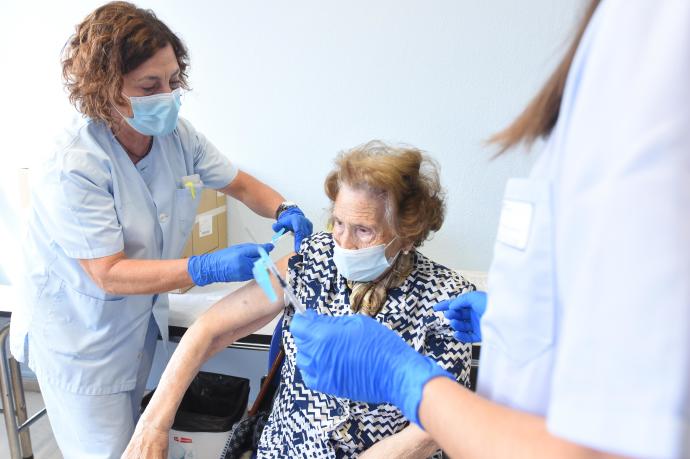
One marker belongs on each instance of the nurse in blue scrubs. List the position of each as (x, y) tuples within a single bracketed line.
[(112, 210), (586, 335)]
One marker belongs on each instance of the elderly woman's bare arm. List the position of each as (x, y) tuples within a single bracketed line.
[(410, 443), (235, 316)]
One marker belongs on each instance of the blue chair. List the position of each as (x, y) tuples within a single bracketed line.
[(276, 341)]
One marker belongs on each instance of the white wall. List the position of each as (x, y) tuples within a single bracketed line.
[(281, 87)]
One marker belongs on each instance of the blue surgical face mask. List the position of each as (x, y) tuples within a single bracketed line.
[(362, 265), (155, 115)]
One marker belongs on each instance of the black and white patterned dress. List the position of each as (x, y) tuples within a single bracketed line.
[(310, 424)]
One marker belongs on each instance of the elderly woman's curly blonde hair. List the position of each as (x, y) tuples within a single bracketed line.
[(405, 177), (109, 43)]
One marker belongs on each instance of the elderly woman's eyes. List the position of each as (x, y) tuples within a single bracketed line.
[(365, 234)]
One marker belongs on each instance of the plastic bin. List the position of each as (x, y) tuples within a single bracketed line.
[(211, 405)]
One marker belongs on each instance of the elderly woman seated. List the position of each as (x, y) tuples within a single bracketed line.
[(385, 203)]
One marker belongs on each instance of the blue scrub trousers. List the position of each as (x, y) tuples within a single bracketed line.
[(98, 426)]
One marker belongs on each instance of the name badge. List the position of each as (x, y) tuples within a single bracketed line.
[(515, 223)]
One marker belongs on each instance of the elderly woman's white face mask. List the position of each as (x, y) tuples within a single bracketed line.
[(362, 265), (362, 237)]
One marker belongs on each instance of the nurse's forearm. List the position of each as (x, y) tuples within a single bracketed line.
[(259, 197), (468, 426), (119, 275)]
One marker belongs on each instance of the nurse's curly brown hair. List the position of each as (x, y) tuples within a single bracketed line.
[(110, 42), (404, 177)]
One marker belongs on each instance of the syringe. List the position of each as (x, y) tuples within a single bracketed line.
[(264, 263)]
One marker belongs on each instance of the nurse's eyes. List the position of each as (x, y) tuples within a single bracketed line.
[(155, 89)]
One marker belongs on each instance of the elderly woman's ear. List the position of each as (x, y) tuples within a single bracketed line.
[(407, 247)]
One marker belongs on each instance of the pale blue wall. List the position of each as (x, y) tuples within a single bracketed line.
[(282, 86)]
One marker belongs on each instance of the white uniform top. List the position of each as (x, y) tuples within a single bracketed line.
[(91, 201), (588, 322)]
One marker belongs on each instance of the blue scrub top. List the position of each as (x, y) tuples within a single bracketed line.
[(90, 201), (588, 321)]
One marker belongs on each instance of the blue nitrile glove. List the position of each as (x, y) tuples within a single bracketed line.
[(227, 265), (293, 219), (465, 313), (358, 358)]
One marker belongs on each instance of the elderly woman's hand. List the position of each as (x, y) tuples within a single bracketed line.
[(148, 442)]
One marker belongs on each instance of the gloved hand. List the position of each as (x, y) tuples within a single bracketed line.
[(227, 265), (293, 219), (358, 358), (465, 313)]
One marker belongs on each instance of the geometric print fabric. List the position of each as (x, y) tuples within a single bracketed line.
[(310, 424)]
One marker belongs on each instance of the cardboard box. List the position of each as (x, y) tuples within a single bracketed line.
[(210, 231)]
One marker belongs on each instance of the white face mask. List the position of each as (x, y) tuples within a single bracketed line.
[(362, 265)]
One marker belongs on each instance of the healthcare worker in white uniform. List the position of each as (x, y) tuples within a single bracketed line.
[(586, 335), (112, 210)]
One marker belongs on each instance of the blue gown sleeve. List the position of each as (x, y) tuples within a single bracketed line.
[(78, 206)]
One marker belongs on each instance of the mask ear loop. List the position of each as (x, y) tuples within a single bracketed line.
[(391, 262), (119, 112)]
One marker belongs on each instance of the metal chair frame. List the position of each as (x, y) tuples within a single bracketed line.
[(14, 403)]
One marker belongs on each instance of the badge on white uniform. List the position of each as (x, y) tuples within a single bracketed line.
[(515, 223)]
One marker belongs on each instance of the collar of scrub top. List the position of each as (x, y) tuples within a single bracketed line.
[(261, 270)]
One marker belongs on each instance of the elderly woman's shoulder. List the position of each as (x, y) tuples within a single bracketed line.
[(428, 270), (315, 252), (317, 245)]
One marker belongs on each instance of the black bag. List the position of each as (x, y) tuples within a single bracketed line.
[(212, 403), (245, 435)]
